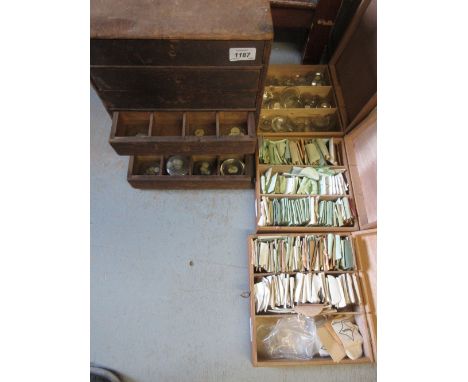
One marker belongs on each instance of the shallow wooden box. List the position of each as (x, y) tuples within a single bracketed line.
[(173, 132), (162, 55), (365, 315), (162, 180)]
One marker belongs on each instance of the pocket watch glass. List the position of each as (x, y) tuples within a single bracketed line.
[(326, 122), (232, 167), (317, 79), (273, 103), (280, 124), (152, 169), (177, 165), (324, 103), (302, 124), (265, 123), (290, 98), (310, 100), (202, 168), (236, 131)]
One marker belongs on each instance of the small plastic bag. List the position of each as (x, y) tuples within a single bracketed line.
[(292, 338)]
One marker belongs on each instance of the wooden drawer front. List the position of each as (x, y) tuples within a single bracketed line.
[(167, 80), (171, 52), (137, 178), (178, 100), (145, 133)]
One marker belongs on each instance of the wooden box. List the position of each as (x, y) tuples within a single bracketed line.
[(364, 314), (137, 178), (195, 55), (351, 91)]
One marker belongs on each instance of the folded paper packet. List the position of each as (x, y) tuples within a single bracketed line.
[(313, 153), (330, 341), (322, 144), (349, 335)]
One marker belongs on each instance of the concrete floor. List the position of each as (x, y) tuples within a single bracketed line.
[(153, 316)]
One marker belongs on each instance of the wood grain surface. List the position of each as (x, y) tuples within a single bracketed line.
[(189, 19)]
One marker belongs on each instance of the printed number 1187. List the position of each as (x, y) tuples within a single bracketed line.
[(242, 54)]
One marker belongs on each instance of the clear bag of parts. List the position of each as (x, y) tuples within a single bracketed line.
[(292, 338)]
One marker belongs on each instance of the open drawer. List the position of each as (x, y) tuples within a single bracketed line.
[(177, 132), (227, 171), (334, 97), (362, 311), (332, 191)]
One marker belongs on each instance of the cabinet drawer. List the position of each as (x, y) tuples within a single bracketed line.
[(178, 100), (109, 52), (138, 177), (166, 80), (140, 133)]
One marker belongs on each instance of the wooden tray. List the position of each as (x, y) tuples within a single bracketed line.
[(162, 180), (364, 251), (172, 132)]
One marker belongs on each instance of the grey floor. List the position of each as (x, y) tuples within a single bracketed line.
[(153, 316)]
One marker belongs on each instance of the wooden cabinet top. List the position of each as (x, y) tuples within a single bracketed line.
[(188, 19)]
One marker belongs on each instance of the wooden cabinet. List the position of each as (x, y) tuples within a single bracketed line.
[(206, 54), (181, 79), (349, 125)]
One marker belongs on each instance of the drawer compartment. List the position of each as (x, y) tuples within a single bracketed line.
[(169, 133), (325, 204), (120, 52), (281, 251), (203, 172)]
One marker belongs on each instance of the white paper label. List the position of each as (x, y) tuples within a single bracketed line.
[(242, 54)]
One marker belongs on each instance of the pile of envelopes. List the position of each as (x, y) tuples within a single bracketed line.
[(326, 252)]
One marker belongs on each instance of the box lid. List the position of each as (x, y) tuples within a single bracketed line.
[(353, 67), (365, 246), (361, 153), (189, 19)]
